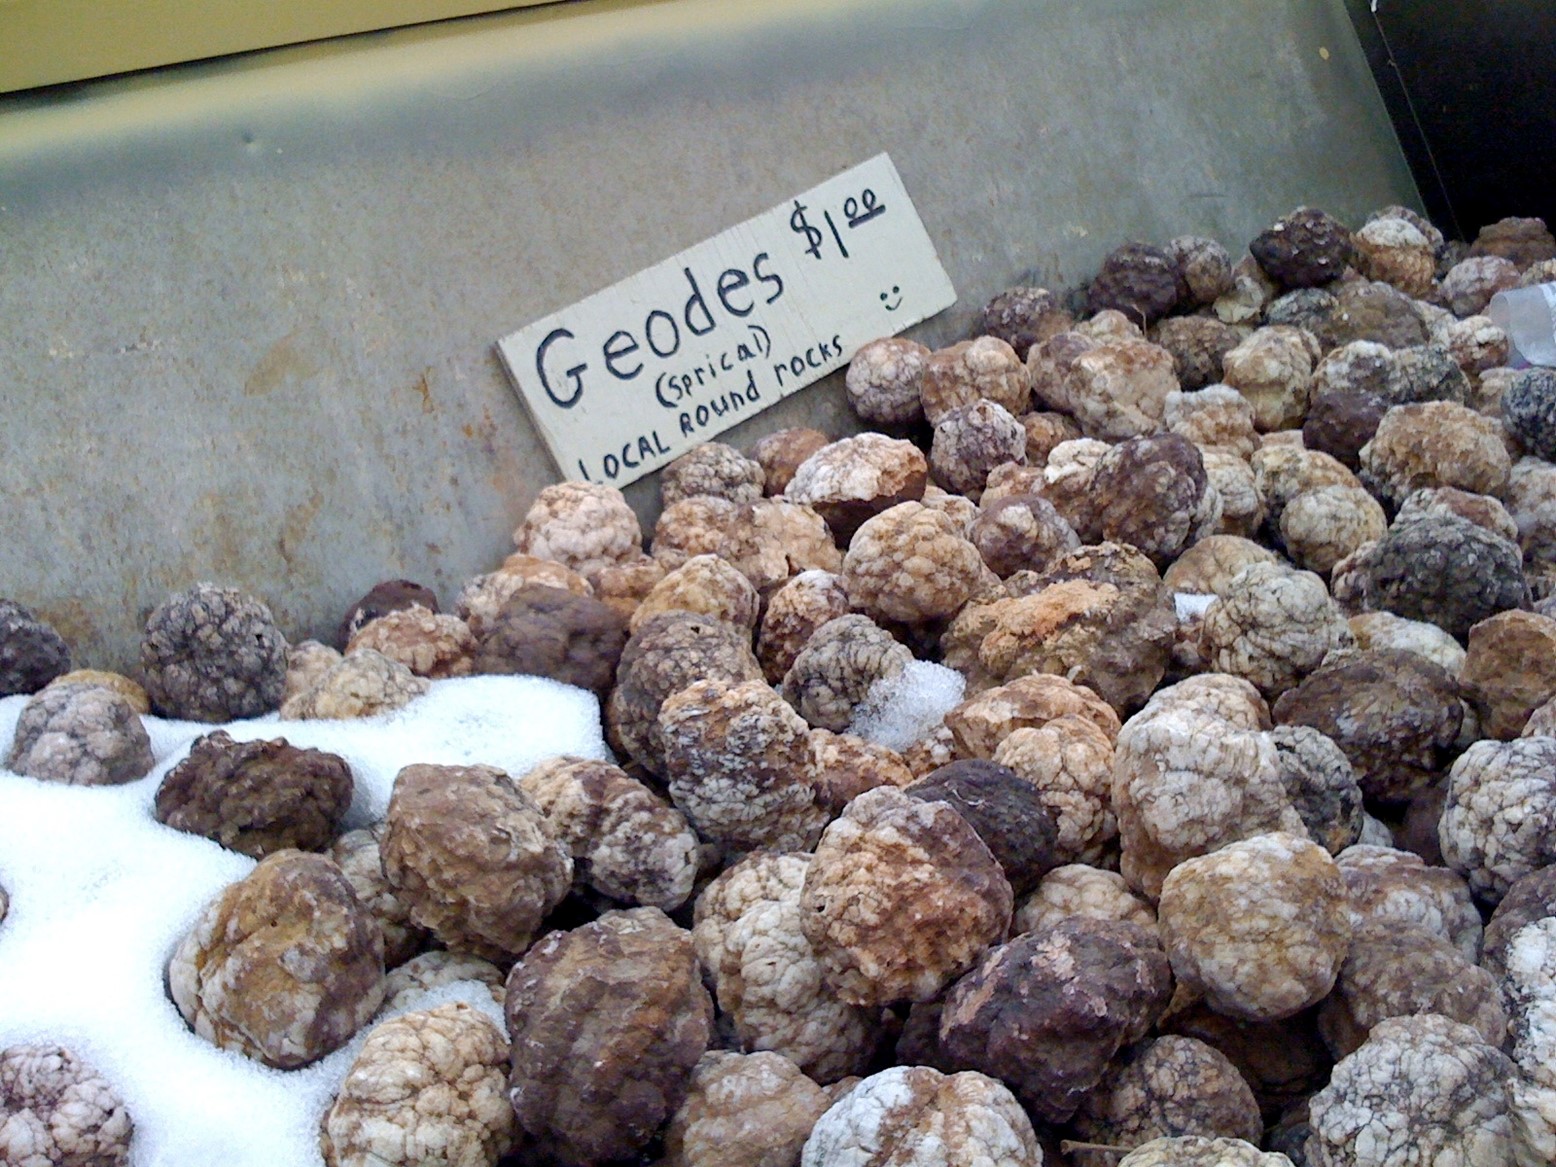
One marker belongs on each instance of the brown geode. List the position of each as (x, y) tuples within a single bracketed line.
[(256, 797), (607, 1023)]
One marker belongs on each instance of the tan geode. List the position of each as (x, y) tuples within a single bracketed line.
[(901, 897), (428, 643), (427, 1087), (56, 1110), (855, 478), (737, 760), (473, 858), (626, 841), (751, 941), (1259, 927), (910, 564), (1510, 670), (364, 684), (607, 1022), (283, 966), (915, 1116), (744, 1110)]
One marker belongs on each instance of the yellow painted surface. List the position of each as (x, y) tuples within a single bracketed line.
[(46, 42)]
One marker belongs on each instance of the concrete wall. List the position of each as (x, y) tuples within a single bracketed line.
[(247, 308)]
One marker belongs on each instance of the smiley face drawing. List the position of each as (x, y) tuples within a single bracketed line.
[(886, 297)]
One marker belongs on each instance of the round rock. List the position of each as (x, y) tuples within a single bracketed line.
[(284, 966), (80, 735), (1260, 927), (31, 653), (212, 654), (473, 858), (256, 797), (607, 1023)]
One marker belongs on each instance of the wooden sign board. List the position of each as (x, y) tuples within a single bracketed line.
[(629, 379)]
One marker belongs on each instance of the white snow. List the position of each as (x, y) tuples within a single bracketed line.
[(902, 709), (101, 893)]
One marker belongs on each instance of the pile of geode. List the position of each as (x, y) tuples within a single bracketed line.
[(1243, 835)]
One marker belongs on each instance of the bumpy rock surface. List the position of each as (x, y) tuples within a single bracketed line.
[(1529, 898), (794, 612), (129, 689), (744, 1110), (970, 441), (1260, 927), (1510, 670), (662, 657), (1394, 713), (1499, 820), (715, 469), (284, 966), (1188, 780), (583, 525), (473, 858), (1421, 1090), (737, 760), (781, 452), (1444, 569), (430, 644), (427, 1087), (1321, 785), (1078, 890), (1273, 369), (256, 797), (707, 585), (484, 595), (1199, 1151), (1068, 761), (982, 722), (769, 984), (1434, 443), (1399, 972), (57, 1111), (1165, 1087), (1008, 813), (883, 381), (1151, 493), (1271, 626), (910, 564), (364, 684), (891, 857), (1046, 1012), (1397, 888), (80, 735), (1304, 249), (1141, 281), (549, 632), (32, 653), (915, 1116), (984, 369), (212, 654), (360, 860), (392, 595), (626, 841), (1096, 616), (608, 1022), (855, 478), (1022, 317), (839, 663)]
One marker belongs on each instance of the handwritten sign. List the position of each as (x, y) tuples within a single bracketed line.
[(634, 376)]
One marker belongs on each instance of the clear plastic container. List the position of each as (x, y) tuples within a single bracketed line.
[(1528, 316)]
